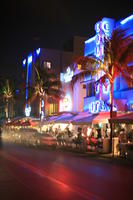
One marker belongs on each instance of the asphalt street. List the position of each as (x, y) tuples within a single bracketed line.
[(38, 174)]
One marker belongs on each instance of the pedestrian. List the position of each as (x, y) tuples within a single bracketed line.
[(122, 143)]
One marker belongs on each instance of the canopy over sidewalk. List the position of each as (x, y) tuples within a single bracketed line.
[(101, 117), (83, 119), (65, 118), (123, 119), (60, 118)]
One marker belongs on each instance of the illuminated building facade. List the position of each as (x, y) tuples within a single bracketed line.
[(58, 61), (97, 96), (72, 100), (66, 100)]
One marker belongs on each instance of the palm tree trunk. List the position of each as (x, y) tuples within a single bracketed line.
[(40, 110), (111, 114), (6, 109)]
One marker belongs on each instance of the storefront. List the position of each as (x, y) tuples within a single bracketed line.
[(123, 129)]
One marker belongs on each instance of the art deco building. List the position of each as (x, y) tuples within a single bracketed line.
[(57, 60), (94, 96)]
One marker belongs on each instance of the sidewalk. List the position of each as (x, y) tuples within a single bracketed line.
[(107, 157)]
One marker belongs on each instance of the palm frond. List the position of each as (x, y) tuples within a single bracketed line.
[(37, 73), (127, 54), (86, 62)]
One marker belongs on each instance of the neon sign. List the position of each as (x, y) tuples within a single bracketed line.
[(90, 40), (99, 40), (127, 19), (38, 51), (66, 103), (27, 111), (66, 77), (42, 108), (29, 59), (102, 28), (106, 87), (29, 62), (24, 62), (97, 106), (97, 88)]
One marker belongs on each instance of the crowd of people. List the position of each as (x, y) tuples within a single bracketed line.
[(84, 137)]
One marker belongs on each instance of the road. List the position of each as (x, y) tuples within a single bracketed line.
[(44, 174)]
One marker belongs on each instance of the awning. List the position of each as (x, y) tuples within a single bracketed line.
[(65, 118), (123, 119), (60, 118), (101, 117), (83, 118), (52, 119)]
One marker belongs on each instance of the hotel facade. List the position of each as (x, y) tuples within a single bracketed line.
[(84, 95), (56, 60), (91, 97)]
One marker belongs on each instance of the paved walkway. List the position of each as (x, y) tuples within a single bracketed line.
[(107, 157)]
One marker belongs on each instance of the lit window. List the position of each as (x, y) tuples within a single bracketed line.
[(79, 67), (47, 65)]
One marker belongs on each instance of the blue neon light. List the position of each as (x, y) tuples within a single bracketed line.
[(90, 40), (29, 59), (97, 88), (24, 62), (27, 111), (38, 51), (98, 106), (127, 19), (27, 79)]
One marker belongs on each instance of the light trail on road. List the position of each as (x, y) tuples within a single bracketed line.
[(60, 175), (43, 173)]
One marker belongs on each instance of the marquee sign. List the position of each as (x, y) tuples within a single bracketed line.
[(66, 77), (66, 103), (103, 28), (97, 106)]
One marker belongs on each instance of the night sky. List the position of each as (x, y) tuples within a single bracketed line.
[(28, 24)]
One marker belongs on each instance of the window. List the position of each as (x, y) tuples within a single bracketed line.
[(47, 65), (91, 89), (84, 86), (79, 67)]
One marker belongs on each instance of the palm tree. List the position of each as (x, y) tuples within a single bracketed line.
[(7, 93), (46, 87), (118, 52)]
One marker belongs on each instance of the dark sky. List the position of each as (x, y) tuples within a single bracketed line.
[(28, 24)]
